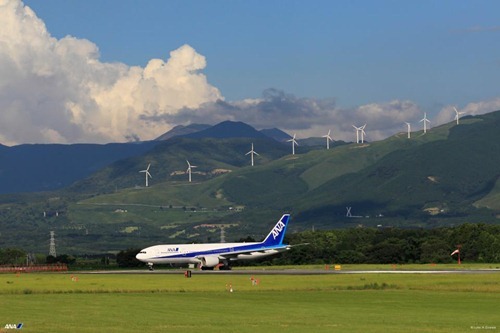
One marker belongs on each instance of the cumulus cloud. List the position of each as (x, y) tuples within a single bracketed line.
[(57, 90)]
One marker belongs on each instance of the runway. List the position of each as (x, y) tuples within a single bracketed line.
[(293, 272)]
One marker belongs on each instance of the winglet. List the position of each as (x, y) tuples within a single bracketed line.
[(276, 235)]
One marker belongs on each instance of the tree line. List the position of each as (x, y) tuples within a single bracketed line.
[(477, 242)]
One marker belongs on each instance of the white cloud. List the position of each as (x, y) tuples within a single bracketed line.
[(59, 91), (447, 113), (477, 108), (381, 119)]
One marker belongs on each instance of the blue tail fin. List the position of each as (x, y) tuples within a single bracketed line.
[(275, 237)]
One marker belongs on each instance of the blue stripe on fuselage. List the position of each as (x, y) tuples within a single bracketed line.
[(224, 250)]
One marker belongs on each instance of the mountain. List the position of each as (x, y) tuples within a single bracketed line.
[(212, 157), (446, 177), (276, 134), (437, 177), (321, 142), (227, 129), (58, 166), (224, 129), (181, 130), (37, 167)]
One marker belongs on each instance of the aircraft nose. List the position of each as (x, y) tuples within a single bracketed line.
[(140, 255)]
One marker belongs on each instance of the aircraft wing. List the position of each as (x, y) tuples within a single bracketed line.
[(277, 249), (254, 251)]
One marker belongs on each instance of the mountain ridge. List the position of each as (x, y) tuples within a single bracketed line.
[(60, 165), (445, 177)]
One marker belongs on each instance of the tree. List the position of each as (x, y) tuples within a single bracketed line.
[(12, 256), (62, 259), (435, 250), (126, 258), (388, 251)]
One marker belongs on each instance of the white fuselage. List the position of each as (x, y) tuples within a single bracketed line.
[(211, 254), (191, 253)]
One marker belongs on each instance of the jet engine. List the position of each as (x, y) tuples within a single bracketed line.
[(210, 261)]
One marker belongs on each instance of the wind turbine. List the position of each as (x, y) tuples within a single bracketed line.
[(189, 169), (294, 142), (363, 133), (361, 130), (252, 152), (425, 120), (328, 139), (457, 114), (409, 129), (147, 174), (357, 133), (348, 214)]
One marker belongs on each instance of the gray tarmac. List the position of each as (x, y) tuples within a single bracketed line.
[(293, 272)]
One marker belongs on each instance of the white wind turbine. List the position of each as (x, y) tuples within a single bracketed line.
[(189, 169), (147, 174), (357, 133), (348, 214), (457, 114), (425, 120), (409, 129), (328, 139), (363, 133), (252, 152), (359, 130), (294, 142)]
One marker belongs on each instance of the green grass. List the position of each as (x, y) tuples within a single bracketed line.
[(313, 303), (385, 267), (152, 215), (164, 194), (492, 200)]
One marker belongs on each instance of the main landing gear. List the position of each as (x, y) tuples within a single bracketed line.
[(206, 268), (220, 267), (224, 266)]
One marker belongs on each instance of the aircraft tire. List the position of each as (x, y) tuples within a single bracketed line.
[(205, 268)]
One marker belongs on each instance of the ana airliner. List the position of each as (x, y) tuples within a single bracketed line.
[(212, 254)]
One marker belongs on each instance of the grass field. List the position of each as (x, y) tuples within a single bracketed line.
[(302, 303)]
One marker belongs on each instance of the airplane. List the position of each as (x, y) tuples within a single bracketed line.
[(209, 255)]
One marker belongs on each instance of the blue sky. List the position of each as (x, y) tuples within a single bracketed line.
[(435, 54), (432, 52)]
